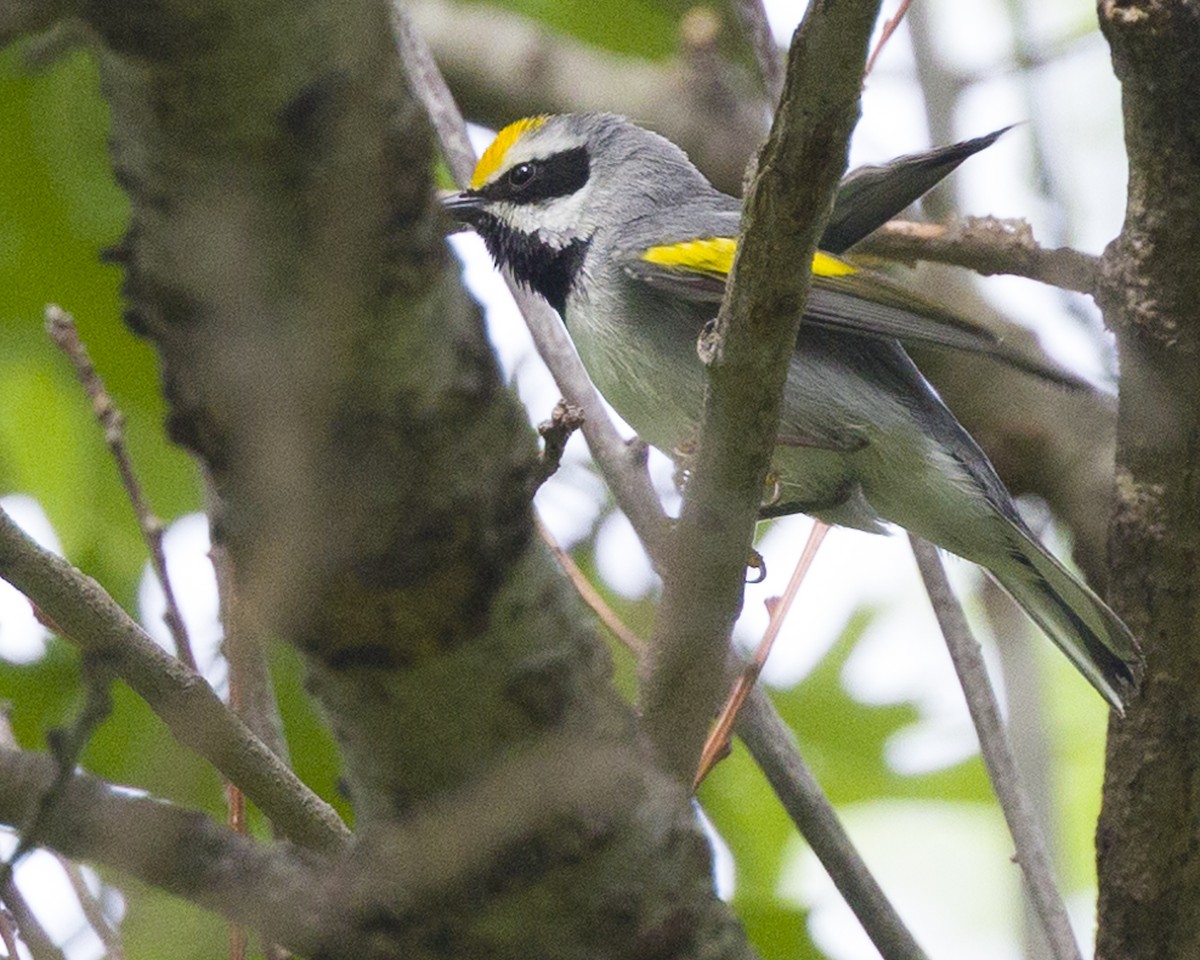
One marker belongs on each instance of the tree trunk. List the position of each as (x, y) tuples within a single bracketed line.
[(1148, 839)]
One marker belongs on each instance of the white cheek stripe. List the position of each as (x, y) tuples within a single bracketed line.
[(557, 221)]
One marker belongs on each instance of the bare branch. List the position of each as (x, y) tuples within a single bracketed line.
[(1032, 855), (889, 28), (31, 932), (555, 432), (184, 702), (767, 55), (632, 642), (717, 744), (777, 754), (67, 747), (92, 910), (60, 325), (755, 337), (8, 933), (621, 463), (988, 246), (177, 850)]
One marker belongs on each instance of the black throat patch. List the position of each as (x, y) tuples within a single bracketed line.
[(546, 270)]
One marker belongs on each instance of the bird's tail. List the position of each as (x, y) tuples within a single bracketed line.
[(1081, 625)]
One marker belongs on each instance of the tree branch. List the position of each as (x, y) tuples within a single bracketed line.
[(755, 336), (988, 246), (1149, 833), (180, 851), (622, 464), (771, 745), (60, 325), (775, 750), (182, 700), (1032, 855)]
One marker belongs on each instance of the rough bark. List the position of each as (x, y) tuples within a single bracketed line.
[(1148, 840)]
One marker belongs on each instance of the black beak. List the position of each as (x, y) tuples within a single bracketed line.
[(465, 207)]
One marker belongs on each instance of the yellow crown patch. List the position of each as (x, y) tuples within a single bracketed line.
[(494, 155)]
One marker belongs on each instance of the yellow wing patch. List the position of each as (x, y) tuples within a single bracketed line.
[(494, 155), (714, 256)]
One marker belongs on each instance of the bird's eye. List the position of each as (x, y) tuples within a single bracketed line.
[(520, 175)]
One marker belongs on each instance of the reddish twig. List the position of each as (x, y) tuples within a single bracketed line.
[(62, 330), (888, 29), (635, 644), (717, 744)]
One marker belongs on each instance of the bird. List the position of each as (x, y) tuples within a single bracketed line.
[(628, 241)]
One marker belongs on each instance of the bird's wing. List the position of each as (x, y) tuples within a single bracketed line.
[(843, 297), (870, 196)]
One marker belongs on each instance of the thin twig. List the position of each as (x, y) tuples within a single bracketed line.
[(889, 28), (8, 933), (18, 912), (30, 930), (93, 912), (768, 58), (717, 744), (251, 693), (62, 330), (590, 595), (185, 703), (1032, 855), (777, 754), (988, 246), (564, 420), (235, 802), (67, 746)]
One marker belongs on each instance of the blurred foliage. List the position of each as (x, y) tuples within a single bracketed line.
[(59, 207), (640, 28)]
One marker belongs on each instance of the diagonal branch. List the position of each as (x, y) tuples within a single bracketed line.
[(619, 461), (181, 851), (1032, 855), (60, 325), (182, 700), (775, 751), (782, 220)]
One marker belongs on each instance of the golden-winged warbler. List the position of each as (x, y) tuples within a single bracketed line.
[(628, 241)]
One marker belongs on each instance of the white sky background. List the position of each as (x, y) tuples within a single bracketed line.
[(900, 657)]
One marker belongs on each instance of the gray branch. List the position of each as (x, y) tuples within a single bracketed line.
[(182, 700), (756, 334), (1032, 855), (988, 246), (502, 65)]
